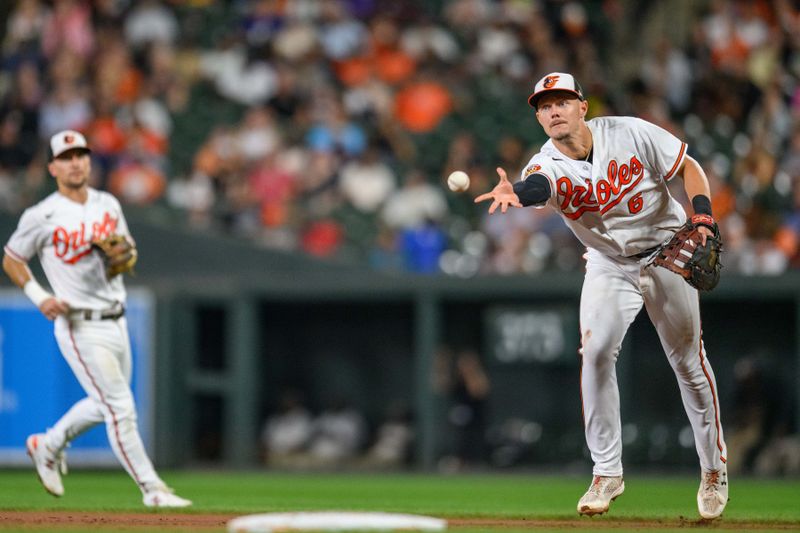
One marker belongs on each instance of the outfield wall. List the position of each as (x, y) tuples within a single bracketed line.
[(37, 386), (233, 347)]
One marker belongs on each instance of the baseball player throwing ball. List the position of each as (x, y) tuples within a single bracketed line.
[(69, 231), (607, 177)]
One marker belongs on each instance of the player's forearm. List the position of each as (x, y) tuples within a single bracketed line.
[(17, 271), (21, 275), (694, 179)]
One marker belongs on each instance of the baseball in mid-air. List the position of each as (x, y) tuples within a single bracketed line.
[(458, 181)]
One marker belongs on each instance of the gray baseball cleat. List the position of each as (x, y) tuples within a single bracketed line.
[(602, 491), (49, 466), (712, 496)]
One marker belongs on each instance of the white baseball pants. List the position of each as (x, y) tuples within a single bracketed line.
[(99, 354), (614, 290)]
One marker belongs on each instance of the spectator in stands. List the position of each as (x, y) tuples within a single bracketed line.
[(366, 182), (65, 108), (238, 73), (194, 195), (787, 238), (341, 35), (418, 201), (25, 97), (15, 152), (422, 246), (258, 136), (333, 131), (422, 104), (150, 21), (790, 163), (68, 29), (274, 186)]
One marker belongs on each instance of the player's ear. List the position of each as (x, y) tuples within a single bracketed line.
[(584, 107)]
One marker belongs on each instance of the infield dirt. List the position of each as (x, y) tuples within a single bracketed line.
[(76, 520)]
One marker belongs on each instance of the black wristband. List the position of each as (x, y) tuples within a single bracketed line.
[(701, 205)]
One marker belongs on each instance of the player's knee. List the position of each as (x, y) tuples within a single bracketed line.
[(599, 350), (687, 366), (128, 414), (121, 413), (686, 350), (128, 425), (690, 342)]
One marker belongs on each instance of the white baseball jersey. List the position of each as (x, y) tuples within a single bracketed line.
[(619, 203), (60, 231)]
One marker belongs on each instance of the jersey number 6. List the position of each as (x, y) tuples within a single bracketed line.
[(635, 204)]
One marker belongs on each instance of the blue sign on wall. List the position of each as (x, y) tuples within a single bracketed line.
[(37, 386)]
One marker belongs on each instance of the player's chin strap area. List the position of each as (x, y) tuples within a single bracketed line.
[(112, 313)]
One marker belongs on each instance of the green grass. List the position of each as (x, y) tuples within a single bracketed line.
[(767, 502)]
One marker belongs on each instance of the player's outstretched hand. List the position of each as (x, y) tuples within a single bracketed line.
[(52, 307), (502, 195)]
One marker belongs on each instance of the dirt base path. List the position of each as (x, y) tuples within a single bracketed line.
[(38, 520)]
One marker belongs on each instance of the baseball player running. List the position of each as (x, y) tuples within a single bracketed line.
[(89, 313), (607, 177)]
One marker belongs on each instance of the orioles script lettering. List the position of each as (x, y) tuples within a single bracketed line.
[(620, 180), (76, 244)]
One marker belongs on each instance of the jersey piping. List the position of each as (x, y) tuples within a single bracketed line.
[(677, 164), (15, 255)]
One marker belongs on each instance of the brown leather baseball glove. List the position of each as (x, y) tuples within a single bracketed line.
[(683, 254), (118, 254)]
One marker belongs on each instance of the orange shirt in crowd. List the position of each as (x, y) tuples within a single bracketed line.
[(421, 106)]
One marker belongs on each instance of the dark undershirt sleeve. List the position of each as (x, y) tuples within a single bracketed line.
[(534, 190)]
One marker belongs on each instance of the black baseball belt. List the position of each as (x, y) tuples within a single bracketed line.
[(112, 313)]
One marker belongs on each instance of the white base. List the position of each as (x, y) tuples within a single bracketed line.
[(333, 521)]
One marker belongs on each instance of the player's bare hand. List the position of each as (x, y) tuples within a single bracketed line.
[(52, 307), (502, 195)]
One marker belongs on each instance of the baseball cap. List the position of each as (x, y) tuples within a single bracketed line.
[(555, 81), (67, 140)]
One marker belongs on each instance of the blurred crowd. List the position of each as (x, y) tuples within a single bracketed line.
[(329, 126)]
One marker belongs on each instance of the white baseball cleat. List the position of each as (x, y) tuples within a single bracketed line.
[(602, 491), (713, 493), (164, 497), (49, 466)]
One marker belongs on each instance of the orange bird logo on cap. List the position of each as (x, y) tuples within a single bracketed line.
[(69, 139), (549, 81)]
